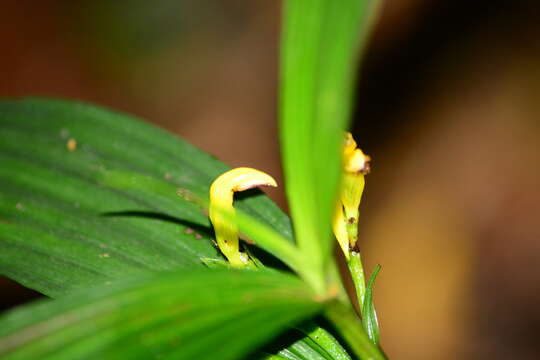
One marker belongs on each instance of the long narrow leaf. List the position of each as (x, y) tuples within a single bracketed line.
[(181, 315), (320, 45)]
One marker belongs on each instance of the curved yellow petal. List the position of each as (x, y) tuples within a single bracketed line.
[(221, 210)]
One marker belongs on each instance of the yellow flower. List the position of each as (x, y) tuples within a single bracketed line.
[(222, 213), (356, 164)]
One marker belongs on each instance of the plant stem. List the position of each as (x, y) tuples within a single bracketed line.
[(357, 273), (344, 318)]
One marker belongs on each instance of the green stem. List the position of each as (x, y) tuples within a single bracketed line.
[(358, 277), (348, 324)]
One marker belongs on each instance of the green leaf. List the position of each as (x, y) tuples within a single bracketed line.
[(72, 220), (180, 315), (326, 341), (304, 350), (369, 320), (320, 44), (314, 343), (65, 223)]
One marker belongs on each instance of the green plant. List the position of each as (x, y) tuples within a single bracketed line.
[(107, 215)]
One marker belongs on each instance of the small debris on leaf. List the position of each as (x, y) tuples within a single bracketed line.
[(71, 144), (64, 133)]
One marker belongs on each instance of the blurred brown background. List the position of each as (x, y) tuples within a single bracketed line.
[(448, 107)]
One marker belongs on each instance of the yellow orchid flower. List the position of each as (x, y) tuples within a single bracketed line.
[(355, 166), (222, 213)]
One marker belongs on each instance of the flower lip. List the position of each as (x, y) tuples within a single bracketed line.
[(358, 163), (367, 166)]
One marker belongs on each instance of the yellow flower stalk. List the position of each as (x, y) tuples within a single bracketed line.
[(222, 213), (355, 166)]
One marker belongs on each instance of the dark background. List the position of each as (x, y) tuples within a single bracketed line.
[(448, 105)]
